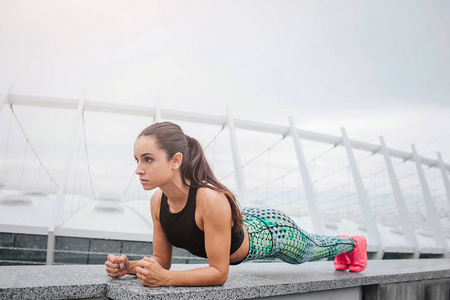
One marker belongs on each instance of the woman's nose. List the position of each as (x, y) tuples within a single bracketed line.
[(139, 170)]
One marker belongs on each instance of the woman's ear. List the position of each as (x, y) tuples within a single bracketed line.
[(177, 159)]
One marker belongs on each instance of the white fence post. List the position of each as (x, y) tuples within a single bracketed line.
[(60, 197), (433, 216), (239, 174), (402, 211), (314, 211), (444, 177), (371, 225), (5, 98)]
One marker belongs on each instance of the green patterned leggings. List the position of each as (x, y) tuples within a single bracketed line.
[(274, 234)]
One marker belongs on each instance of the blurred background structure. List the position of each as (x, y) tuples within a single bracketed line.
[(78, 204), (266, 86)]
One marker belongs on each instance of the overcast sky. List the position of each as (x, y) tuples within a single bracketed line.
[(375, 67)]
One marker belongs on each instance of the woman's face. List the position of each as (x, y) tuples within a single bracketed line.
[(153, 166)]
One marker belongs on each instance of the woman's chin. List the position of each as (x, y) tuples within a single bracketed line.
[(148, 187)]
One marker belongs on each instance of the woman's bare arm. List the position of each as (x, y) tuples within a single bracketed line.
[(117, 266), (214, 217), (162, 249)]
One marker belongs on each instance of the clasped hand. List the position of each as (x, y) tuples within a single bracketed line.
[(148, 270), (117, 266)]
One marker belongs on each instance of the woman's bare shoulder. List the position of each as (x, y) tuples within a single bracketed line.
[(155, 202), (209, 198), (208, 193), (157, 195)]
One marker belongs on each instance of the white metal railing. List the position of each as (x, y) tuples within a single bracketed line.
[(382, 186)]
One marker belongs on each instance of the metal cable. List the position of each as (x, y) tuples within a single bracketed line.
[(322, 154), (31, 146), (214, 138), (273, 180), (262, 153)]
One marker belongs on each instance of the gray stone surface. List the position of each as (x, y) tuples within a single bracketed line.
[(53, 282), (247, 280)]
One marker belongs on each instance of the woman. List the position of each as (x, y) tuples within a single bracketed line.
[(192, 210)]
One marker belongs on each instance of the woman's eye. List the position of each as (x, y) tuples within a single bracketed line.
[(147, 159)]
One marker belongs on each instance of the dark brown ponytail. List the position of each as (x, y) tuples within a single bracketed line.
[(194, 166)]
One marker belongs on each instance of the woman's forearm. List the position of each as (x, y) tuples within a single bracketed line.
[(133, 264), (166, 264), (207, 276)]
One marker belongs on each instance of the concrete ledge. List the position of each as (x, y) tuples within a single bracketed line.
[(53, 282), (413, 290), (245, 281)]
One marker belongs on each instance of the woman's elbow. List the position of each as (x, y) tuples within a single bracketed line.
[(222, 278), (219, 281), (164, 262)]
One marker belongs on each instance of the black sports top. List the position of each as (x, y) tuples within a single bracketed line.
[(182, 231)]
